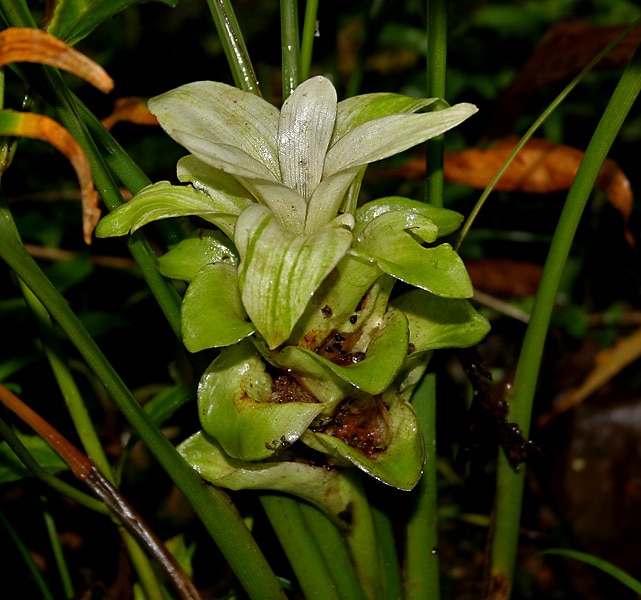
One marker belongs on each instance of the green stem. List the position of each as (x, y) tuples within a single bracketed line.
[(308, 37), (421, 562), (58, 554), (290, 49), (388, 555), (422, 576), (285, 515), (509, 483), (362, 540), (436, 72), (45, 593), (334, 551), (77, 409), (233, 44)]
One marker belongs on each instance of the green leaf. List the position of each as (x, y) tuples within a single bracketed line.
[(12, 468), (605, 566), (384, 358), (280, 271), (210, 112), (286, 203), (436, 322), (305, 128), (447, 221), (324, 488), (161, 201), (203, 247), (73, 20), (212, 313), (234, 406), (394, 241), (400, 465)]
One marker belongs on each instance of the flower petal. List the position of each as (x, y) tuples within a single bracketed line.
[(389, 135), (215, 183), (384, 359), (327, 489), (357, 110), (161, 201), (305, 128), (286, 203), (221, 114), (280, 271)]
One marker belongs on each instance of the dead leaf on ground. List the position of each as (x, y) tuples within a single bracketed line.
[(565, 50), (540, 167), (504, 277), (608, 363), (132, 110)]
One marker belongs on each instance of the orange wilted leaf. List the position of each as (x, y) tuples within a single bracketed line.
[(36, 126), (540, 167), (26, 44), (504, 277), (132, 110)]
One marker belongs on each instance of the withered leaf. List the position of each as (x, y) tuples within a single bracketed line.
[(504, 277), (540, 167), (607, 364), (132, 110)]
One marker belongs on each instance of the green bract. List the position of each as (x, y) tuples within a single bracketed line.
[(294, 282)]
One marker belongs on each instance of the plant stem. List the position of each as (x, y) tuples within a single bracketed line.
[(436, 72), (422, 576), (290, 49), (58, 554), (307, 40), (421, 554), (334, 551), (510, 484), (388, 555), (233, 44), (45, 593), (285, 515)]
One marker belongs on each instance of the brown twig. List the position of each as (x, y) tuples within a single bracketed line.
[(86, 471)]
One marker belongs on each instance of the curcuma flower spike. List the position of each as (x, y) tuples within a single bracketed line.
[(294, 281)]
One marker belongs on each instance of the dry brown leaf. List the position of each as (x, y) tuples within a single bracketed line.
[(540, 167), (132, 110), (36, 126), (504, 277), (608, 363), (26, 44), (565, 50)]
